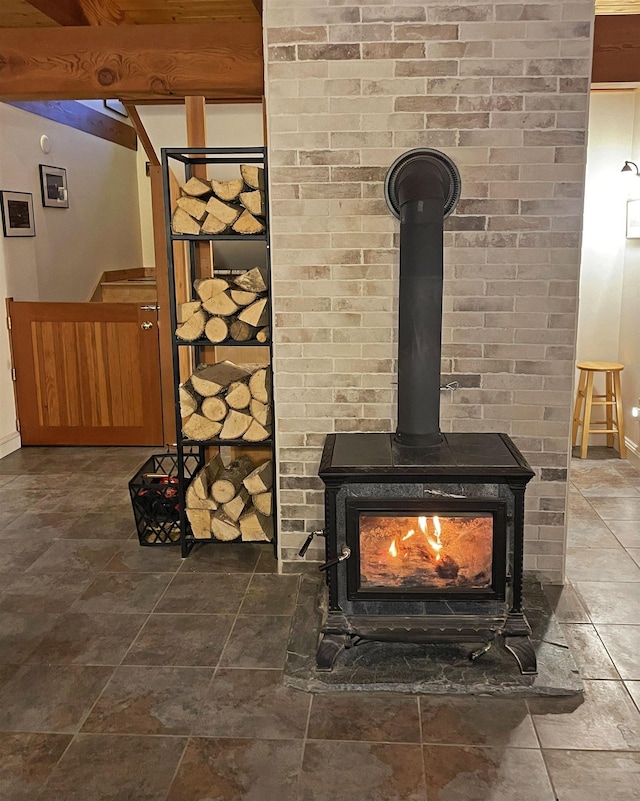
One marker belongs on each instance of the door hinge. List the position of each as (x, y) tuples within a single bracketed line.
[(17, 425), (13, 374), (9, 322)]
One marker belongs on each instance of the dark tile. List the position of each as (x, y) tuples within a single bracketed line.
[(257, 641), (627, 532), (37, 527), (122, 593), (6, 672), (267, 563), (16, 556), (566, 603), (65, 555), (376, 717), (43, 592), (477, 721), (253, 703), (27, 761), (50, 698), (208, 593), (605, 720), (238, 770), (623, 645), (96, 525), (133, 558), (617, 508), (480, 774), (150, 700), (20, 633), (594, 775), (104, 767), (609, 601), (374, 772), (189, 640), (607, 565), (48, 482), (590, 654), (27, 500), (87, 639), (234, 558), (270, 595)]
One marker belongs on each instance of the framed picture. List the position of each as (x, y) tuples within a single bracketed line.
[(53, 184), (116, 106), (17, 214), (633, 219)]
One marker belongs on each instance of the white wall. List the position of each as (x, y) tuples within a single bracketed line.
[(609, 312), (99, 231), (228, 125)]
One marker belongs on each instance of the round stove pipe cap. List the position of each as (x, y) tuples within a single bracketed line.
[(451, 178)]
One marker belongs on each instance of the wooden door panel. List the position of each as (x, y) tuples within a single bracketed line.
[(86, 374)]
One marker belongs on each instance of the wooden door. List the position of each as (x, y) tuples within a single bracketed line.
[(86, 373)]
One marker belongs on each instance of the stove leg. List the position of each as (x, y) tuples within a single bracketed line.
[(517, 640), (329, 648)]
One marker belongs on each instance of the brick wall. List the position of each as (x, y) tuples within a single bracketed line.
[(502, 88)]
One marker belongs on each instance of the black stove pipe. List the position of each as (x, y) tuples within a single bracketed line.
[(423, 189)]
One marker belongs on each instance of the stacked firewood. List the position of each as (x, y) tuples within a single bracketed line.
[(222, 207), (236, 309), (232, 501), (227, 401)]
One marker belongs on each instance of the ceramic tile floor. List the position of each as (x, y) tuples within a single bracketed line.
[(130, 675)]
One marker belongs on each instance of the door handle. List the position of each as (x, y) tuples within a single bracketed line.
[(146, 325), (150, 307)]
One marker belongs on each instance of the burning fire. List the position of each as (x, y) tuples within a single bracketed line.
[(433, 540)]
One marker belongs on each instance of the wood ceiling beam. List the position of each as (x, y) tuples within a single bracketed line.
[(616, 49), (148, 62), (64, 12), (257, 4)]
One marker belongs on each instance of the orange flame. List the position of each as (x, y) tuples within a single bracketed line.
[(393, 549), (409, 533)]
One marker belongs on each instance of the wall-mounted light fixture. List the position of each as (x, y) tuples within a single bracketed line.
[(628, 167)]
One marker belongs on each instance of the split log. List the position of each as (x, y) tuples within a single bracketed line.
[(193, 502), (263, 334), (229, 481), (223, 211), (241, 331), (227, 190), (221, 304), (216, 329), (243, 298), (213, 378), (212, 225), (260, 479), (193, 328), (188, 400), (200, 520), (237, 505), (259, 385), (253, 202), (256, 432), (214, 408), (256, 315), (203, 479), (187, 310), (263, 502), (254, 280), (223, 528), (247, 224), (238, 395), (183, 223), (196, 188), (252, 175), (260, 411), (256, 527), (197, 427), (235, 425), (207, 288), (196, 208)]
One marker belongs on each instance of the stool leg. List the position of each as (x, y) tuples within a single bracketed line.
[(586, 423), (578, 406), (622, 447), (609, 396)]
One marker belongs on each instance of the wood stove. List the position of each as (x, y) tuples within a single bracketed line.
[(424, 531)]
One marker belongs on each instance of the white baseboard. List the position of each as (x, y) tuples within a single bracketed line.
[(9, 444), (633, 452)]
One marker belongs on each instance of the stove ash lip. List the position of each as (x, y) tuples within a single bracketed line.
[(422, 187)]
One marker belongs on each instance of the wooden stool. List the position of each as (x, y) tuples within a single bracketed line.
[(610, 400)]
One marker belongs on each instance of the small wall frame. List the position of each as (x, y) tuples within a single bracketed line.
[(17, 214), (633, 219), (53, 185)]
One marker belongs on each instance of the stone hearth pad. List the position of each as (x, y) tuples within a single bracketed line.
[(430, 669)]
